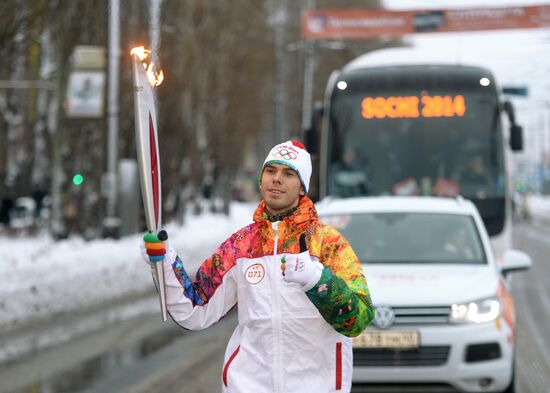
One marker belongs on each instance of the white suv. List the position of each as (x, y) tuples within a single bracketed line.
[(444, 314)]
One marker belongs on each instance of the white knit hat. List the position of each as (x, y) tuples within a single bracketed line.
[(294, 155)]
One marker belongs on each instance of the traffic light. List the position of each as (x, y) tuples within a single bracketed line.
[(78, 179)]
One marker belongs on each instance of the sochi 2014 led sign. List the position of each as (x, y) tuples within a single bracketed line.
[(413, 106)]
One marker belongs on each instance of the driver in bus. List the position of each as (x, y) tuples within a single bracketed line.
[(475, 176)]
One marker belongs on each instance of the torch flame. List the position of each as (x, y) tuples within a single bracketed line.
[(155, 77)]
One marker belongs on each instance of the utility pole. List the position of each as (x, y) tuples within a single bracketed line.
[(309, 70), (111, 221), (55, 123), (280, 20), (154, 28)]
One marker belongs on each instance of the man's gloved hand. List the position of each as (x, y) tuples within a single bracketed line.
[(300, 268), (155, 248)]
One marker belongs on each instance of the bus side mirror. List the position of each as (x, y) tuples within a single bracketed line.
[(516, 131), (509, 109), (516, 137)]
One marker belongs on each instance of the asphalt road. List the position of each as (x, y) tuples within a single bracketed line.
[(531, 292), (145, 355), (142, 355)]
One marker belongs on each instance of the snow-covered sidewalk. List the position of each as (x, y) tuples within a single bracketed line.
[(538, 210), (40, 278), (539, 205)]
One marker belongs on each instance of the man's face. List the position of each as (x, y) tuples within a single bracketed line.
[(280, 187)]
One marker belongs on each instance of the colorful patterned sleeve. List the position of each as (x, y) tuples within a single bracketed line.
[(342, 295), (200, 303), (209, 276)]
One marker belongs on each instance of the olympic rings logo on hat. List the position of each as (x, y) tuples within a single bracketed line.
[(285, 154)]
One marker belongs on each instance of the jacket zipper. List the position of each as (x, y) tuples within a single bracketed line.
[(277, 314)]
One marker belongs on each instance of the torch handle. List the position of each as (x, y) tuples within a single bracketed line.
[(162, 291), (163, 236)]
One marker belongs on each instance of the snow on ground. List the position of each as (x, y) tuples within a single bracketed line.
[(40, 278), (539, 208)]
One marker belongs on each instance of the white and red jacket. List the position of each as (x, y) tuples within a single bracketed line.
[(287, 340)]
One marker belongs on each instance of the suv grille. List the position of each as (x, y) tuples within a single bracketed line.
[(412, 387), (421, 315), (387, 357)]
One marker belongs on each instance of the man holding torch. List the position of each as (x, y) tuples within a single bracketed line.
[(298, 284)]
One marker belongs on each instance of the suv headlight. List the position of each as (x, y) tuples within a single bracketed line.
[(480, 311)]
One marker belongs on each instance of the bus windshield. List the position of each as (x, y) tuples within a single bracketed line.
[(414, 130)]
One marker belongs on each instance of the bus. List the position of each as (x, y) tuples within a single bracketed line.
[(418, 127)]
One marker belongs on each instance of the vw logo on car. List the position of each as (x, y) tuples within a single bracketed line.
[(384, 317)]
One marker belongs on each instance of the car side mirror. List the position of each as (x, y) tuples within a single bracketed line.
[(516, 137), (515, 260)]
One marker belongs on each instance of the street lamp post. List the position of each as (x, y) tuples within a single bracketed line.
[(111, 222)]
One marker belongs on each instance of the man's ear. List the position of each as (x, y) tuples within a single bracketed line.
[(302, 191)]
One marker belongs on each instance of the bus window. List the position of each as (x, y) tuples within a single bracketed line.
[(417, 130), (413, 135)]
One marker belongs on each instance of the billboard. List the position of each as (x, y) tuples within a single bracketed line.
[(355, 23)]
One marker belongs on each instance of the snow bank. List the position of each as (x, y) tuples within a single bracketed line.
[(539, 209), (40, 278)]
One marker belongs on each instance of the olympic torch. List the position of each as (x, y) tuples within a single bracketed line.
[(145, 78)]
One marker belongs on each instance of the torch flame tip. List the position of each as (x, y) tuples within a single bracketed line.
[(140, 52), (155, 77)]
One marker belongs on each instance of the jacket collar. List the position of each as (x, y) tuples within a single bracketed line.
[(303, 217)]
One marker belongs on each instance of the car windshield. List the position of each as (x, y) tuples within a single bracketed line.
[(411, 237)]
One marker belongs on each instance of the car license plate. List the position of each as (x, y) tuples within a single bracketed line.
[(393, 339)]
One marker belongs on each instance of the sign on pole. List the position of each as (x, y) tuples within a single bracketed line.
[(85, 94), (86, 87)]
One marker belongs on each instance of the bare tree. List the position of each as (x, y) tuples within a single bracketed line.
[(217, 107)]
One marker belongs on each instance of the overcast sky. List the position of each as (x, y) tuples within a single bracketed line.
[(520, 57)]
